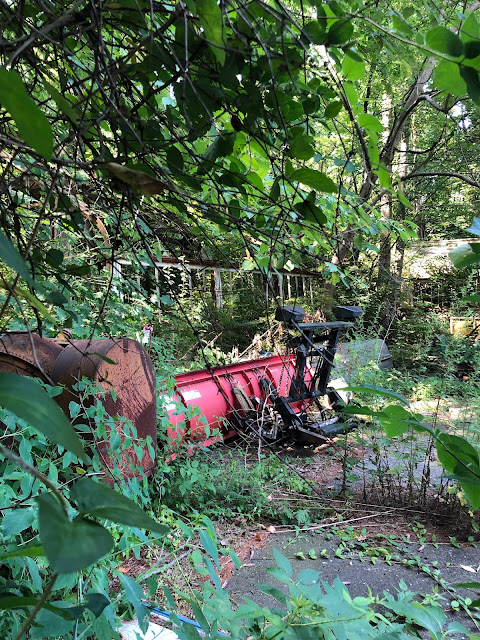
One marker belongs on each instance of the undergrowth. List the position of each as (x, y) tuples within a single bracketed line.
[(223, 485)]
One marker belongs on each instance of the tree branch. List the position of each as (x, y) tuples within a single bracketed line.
[(446, 174)]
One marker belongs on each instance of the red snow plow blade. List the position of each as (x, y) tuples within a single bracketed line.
[(229, 395)]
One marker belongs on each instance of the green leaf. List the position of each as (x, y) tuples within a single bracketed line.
[(384, 176), (31, 299), (314, 32), (360, 411), (222, 146), (451, 449), (29, 401), (447, 78), (466, 585), (94, 602), (470, 31), (275, 190), (444, 41), (309, 211), (473, 83), (404, 201), (472, 52), (99, 500), (51, 624), (19, 602), (395, 411), (474, 297), (209, 545), (279, 574), (32, 123), (301, 148), (333, 109), (134, 594), (235, 559), (465, 255), (400, 25), (17, 520), (69, 545), (275, 592), (282, 562), (308, 576), (370, 123), (62, 103), (340, 32), (24, 552), (352, 95), (174, 160), (314, 179), (372, 148), (395, 428), (377, 391), (11, 257), (352, 70), (210, 16)]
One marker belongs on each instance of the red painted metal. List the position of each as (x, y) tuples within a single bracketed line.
[(211, 391)]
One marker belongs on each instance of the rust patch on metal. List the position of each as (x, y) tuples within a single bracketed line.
[(28, 354), (122, 366)]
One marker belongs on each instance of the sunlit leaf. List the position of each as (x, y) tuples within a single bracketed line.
[(340, 32), (446, 76), (29, 401), (210, 16), (465, 255), (32, 124), (352, 69), (475, 227), (377, 391), (470, 30), (444, 41), (370, 123)]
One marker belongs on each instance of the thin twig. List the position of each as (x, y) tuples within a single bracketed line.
[(37, 608), (35, 472)]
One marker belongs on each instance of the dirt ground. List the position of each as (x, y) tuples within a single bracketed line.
[(373, 536)]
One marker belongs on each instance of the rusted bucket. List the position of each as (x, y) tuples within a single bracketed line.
[(124, 367)]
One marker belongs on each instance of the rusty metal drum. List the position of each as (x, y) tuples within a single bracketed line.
[(123, 366), (28, 354)]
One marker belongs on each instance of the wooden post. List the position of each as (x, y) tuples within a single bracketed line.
[(218, 288), (157, 289), (116, 275), (289, 287), (280, 287), (190, 281)]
